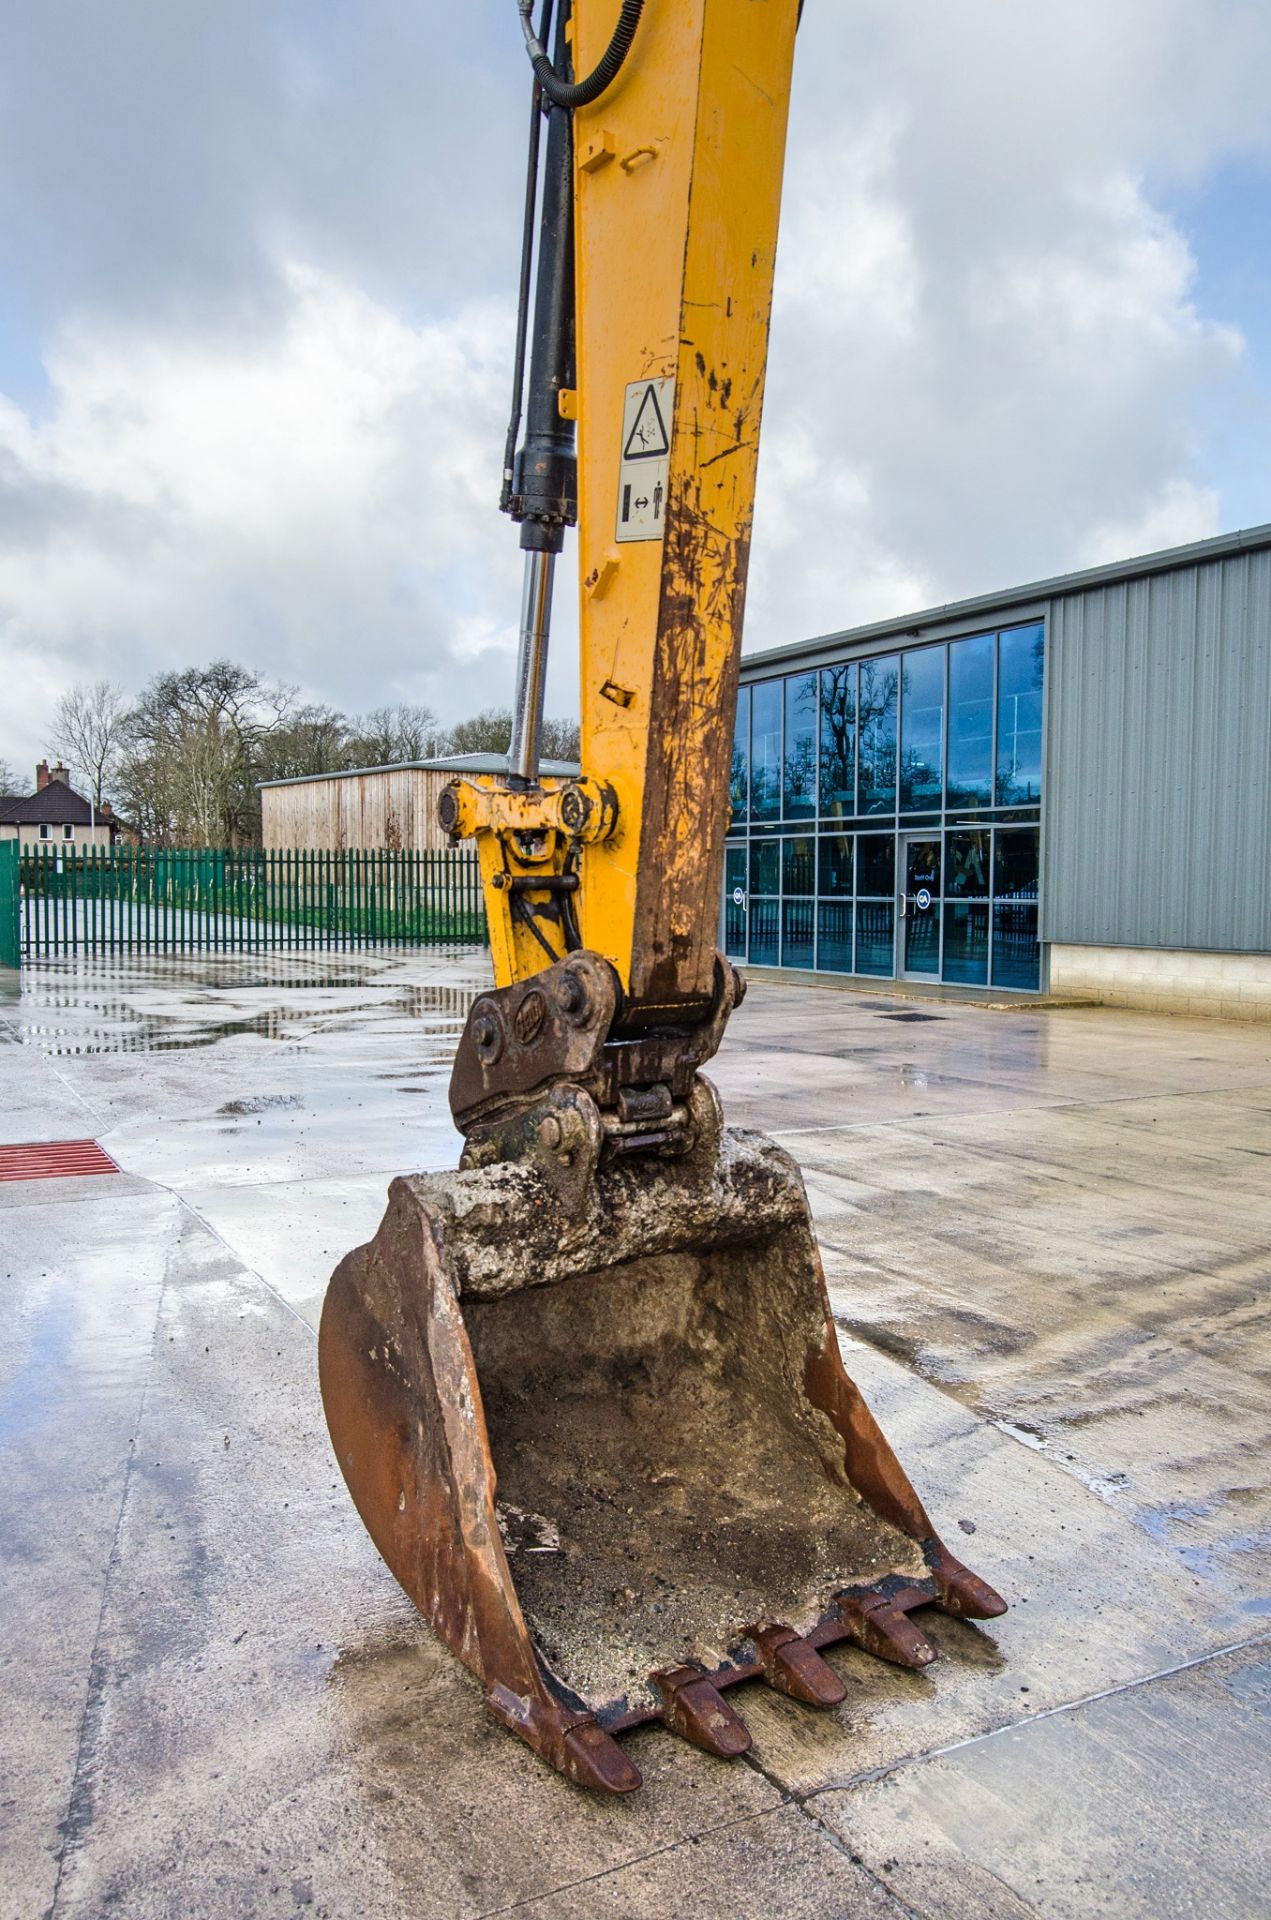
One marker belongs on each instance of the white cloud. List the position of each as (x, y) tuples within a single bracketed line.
[(987, 357), (320, 497), (1180, 512), (266, 285)]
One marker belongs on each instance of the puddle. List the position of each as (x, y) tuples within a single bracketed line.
[(261, 1103), (156, 1008)]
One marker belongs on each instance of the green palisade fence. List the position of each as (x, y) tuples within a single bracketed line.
[(10, 904), (162, 900)]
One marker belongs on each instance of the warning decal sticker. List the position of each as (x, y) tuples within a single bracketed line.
[(646, 457)]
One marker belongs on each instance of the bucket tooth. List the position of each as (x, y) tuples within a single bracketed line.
[(698, 1712), (963, 1593), (592, 1758), (793, 1666), (885, 1630)]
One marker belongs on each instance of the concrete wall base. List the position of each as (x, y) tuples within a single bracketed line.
[(1223, 986)]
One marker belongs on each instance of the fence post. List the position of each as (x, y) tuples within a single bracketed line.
[(10, 907)]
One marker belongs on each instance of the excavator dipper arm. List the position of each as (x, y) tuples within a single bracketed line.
[(586, 1392)]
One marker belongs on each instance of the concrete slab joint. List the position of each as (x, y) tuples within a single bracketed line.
[(1045, 1239)]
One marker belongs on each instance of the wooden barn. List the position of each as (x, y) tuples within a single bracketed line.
[(368, 807)]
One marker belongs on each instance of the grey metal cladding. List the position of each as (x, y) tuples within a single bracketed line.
[(1158, 772)]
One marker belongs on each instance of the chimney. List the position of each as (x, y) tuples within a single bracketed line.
[(41, 776), (59, 772), (105, 811)]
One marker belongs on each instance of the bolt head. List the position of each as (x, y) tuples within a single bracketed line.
[(575, 809), (571, 994), (550, 1132)]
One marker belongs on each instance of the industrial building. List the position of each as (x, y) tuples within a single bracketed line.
[(373, 807), (1064, 788)]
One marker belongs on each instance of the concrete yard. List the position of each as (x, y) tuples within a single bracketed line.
[(1047, 1235)]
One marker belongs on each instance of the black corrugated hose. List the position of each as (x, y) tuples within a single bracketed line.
[(581, 93)]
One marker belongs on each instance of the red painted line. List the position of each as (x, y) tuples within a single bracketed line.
[(54, 1160)]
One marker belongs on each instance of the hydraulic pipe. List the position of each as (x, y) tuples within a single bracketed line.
[(545, 472), (531, 666), (545, 480)]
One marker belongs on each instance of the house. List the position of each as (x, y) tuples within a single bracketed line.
[(56, 816)]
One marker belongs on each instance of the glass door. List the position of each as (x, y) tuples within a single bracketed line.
[(918, 905), (736, 906)]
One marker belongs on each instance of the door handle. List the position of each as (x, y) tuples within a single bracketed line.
[(904, 905)]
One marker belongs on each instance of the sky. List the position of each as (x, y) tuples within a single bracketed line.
[(257, 293)]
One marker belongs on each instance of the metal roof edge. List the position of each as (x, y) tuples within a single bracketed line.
[(440, 763), (1167, 560)]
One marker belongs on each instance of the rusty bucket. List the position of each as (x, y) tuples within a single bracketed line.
[(606, 1442)]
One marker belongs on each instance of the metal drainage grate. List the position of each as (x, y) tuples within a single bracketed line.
[(911, 1016), (54, 1160)]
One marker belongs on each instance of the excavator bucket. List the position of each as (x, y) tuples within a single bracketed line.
[(602, 1434)]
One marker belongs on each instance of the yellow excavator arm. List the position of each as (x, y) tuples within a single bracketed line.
[(586, 1392), (676, 189)]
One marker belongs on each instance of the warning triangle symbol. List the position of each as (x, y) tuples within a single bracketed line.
[(648, 439)]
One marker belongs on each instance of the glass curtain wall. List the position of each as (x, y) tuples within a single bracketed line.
[(830, 766)]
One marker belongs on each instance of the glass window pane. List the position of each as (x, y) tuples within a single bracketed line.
[(800, 760), (1019, 716), (922, 917), (876, 864), (764, 924), (765, 749), (1016, 954), (966, 942), (876, 728), (798, 865), (739, 785), (1016, 862), (734, 908), (922, 729), (834, 874), (971, 722), (968, 864), (922, 866), (834, 936), (796, 933), (765, 866), (875, 936), (838, 740)]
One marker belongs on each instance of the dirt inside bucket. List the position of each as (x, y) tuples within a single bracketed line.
[(663, 1482)]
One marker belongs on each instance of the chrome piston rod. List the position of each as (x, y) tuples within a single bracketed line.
[(531, 667)]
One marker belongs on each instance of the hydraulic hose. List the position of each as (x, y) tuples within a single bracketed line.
[(580, 93)]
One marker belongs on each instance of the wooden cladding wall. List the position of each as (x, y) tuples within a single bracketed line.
[(392, 807)]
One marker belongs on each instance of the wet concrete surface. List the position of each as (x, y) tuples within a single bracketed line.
[(1046, 1233)]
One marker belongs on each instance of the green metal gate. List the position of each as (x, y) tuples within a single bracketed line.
[(165, 900), (10, 905)]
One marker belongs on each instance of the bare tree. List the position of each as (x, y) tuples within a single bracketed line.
[(491, 730), (88, 731), (195, 748), (313, 740), (8, 781), (390, 736), (560, 740)]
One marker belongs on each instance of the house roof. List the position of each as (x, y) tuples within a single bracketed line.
[(56, 805)]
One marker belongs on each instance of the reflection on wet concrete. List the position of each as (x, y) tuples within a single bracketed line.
[(97, 1006), (1046, 1236)]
